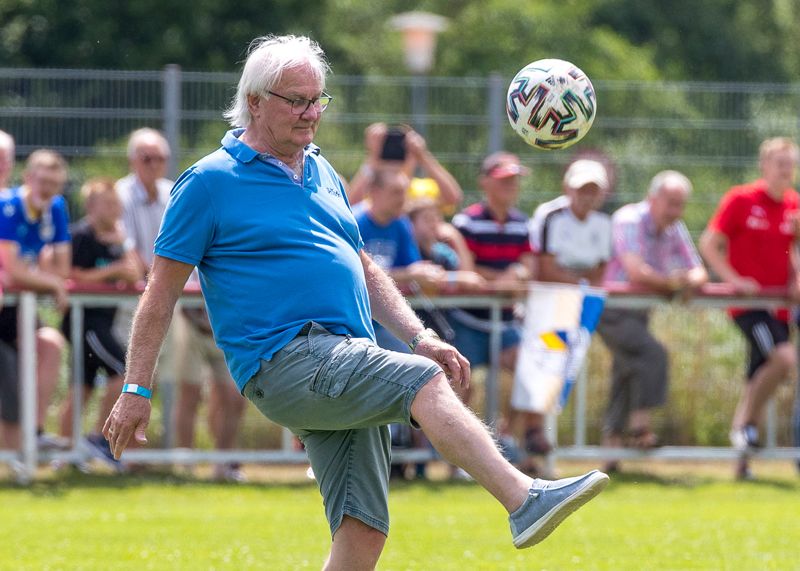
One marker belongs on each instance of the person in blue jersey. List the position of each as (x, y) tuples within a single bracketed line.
[(291, 296), (389, 241), (33, 216)]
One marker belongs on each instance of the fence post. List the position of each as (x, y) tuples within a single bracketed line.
[(27, 371), (171, 109), (495, 118)]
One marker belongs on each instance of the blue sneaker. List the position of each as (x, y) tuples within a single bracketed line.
[(98, 447), (549, 503)]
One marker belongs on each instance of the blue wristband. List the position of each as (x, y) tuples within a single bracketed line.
[(137, 390)]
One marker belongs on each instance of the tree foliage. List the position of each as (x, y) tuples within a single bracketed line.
[(610, 39)]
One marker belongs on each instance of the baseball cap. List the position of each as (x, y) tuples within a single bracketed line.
[(503, 165), (586, 171)]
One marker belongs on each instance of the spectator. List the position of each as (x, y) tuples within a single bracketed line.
[(389, 239), (572, 243), (32, 216), (652, 249), (413, 156), (7, 150), (441, 243), (100, 254), (145, 191), (496, 234), (199, 363), (747, 244), (337, 391)]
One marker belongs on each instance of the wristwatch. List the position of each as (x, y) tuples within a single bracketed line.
[(424, 334)]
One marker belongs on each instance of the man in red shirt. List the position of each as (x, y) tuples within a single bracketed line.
[(747, 244)]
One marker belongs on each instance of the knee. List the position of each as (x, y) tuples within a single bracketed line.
[(786, 357), (49, 341)]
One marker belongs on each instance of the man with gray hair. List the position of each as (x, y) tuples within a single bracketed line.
[(651, 249), (291, 294), (145, 191)]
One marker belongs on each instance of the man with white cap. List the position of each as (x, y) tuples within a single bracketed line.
[(572, 243), (571, 238)]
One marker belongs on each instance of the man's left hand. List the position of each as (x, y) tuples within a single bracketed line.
[(455, 365)]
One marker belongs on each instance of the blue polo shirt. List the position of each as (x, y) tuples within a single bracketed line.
[(273, 250), (52, 227)]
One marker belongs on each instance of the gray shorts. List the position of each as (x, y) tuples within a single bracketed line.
[(337, 394)]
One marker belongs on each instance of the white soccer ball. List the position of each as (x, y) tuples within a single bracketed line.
[(551, 104)]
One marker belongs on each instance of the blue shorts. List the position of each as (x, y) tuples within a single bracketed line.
[(338, 394)]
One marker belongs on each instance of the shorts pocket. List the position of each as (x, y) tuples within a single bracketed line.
[(333, 376)]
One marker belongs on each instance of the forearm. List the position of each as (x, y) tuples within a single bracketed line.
[(550, 271), (92, 275), (450, 190), (389, 307), (150, 325), (646, 276), (40, 282)]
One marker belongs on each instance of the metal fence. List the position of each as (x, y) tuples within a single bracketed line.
[(711, 131)]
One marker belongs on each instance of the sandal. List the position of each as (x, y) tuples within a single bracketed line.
[(643, 439)]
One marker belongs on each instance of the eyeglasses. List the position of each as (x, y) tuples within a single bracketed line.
[(147, 159), (300, 106)]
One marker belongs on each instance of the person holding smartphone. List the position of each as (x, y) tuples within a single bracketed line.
[(400, 145)]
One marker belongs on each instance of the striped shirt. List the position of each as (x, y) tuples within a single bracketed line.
[(494, 244), (635, 232), (142, 218)]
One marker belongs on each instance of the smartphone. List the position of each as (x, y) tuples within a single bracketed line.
[(394, 145)]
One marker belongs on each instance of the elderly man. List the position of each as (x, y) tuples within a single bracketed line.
[(652, 249), (145, 191), (31, 217), (291, 295), (747, 244)]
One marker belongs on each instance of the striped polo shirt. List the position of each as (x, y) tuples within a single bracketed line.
[(494, 244)]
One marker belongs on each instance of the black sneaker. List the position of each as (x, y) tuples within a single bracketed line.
[(98, 447)]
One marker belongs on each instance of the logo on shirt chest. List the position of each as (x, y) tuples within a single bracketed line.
[(757, 219), (333, 191)]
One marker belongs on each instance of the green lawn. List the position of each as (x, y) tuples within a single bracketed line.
[(162, 522)]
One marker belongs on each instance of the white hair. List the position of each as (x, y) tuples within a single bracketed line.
[(144, 136), (669, 176), (268, 57), (7, 143)]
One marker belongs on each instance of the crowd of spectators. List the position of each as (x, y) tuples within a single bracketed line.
[(401, 197)]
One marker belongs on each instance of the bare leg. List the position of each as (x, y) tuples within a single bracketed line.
[(763, 384), (463, 440), (189, 395), (226, 407), (49, 346), (67, 410), (10, 433), (356, 547)]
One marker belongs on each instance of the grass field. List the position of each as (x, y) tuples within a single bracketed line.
[(674, 518)]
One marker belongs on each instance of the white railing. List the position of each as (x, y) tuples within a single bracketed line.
[(28, 457)]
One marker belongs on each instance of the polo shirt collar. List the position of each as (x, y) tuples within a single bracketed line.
[(232, 143)]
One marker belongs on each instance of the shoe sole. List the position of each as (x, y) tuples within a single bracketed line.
[(552, 519)]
